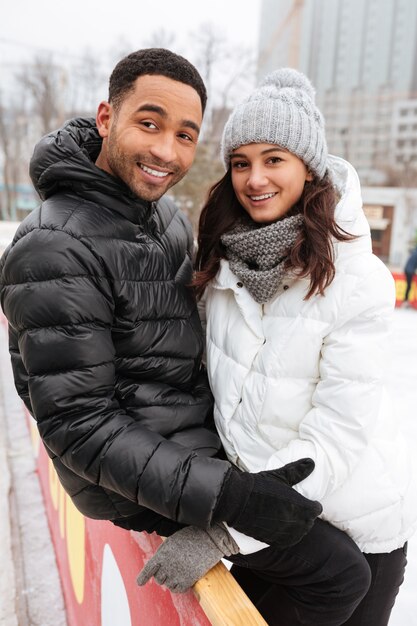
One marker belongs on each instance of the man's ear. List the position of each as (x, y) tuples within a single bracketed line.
[(103, 118)]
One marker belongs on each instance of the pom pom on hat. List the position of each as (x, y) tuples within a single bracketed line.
[(282, 111), (287, 77)]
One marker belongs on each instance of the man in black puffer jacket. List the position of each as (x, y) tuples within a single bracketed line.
[(105, 338)]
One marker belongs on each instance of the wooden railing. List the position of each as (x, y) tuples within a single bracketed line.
[(224, 601)]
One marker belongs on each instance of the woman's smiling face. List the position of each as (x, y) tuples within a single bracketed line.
[(268, 180)]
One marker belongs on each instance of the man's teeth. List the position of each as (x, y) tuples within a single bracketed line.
[(263, 197), (153, 172)]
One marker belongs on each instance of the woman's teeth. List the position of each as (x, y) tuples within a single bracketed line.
[(263, 197)]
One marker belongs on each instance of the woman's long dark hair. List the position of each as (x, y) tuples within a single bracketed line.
[(312, 253)]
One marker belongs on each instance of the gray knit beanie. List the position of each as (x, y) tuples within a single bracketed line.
[(281, 111)]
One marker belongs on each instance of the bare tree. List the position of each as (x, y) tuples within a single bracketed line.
[(191, 192), (87, 85), (6, 199), (46, 85), (35, 106), (238, 81), (228, 71), (209, 47), (161, 39), (208, 50), (120, 48), (14, 155)]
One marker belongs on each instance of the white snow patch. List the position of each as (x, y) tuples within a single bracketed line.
[(402, 377)]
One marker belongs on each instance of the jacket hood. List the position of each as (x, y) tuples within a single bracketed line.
[(65, 160), (349, 212)]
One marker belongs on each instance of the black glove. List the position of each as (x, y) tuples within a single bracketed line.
[(264, 505)]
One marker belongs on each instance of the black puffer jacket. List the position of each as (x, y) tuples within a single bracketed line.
[(106, 341)]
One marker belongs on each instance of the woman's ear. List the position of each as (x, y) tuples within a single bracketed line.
[(309, 176)]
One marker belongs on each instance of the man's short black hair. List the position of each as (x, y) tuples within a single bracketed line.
[(153, 61)]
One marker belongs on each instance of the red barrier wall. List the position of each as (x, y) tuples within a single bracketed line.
[(98, 564)]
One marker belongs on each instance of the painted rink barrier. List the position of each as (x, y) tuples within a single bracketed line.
[(400, 287)]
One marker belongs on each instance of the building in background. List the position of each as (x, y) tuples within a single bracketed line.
[(404, 137), (361, 56), (392, 217)]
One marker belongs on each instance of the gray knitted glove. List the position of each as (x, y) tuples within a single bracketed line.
[(187, 555)]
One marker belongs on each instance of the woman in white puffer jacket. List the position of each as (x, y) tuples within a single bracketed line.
[(298, 314), (297, 378)]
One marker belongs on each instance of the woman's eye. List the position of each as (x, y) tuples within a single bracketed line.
[(274, 160), (238, 165)]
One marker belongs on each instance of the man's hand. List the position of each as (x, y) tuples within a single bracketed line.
[(186, 556)]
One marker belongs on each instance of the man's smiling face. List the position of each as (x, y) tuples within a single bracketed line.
[(149, 141)]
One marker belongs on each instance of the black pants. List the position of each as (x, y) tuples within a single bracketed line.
[(324, 580)]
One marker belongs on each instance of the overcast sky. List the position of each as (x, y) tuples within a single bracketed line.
[(30, 26)]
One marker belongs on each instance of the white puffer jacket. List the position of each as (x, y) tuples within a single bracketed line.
[(305, 378)]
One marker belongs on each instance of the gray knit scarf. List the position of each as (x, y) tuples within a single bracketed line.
[(257, 254)]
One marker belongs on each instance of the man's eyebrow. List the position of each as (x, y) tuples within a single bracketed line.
[(192, 125), (155, 108)]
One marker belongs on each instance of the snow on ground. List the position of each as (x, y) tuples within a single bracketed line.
[(402, 377)]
